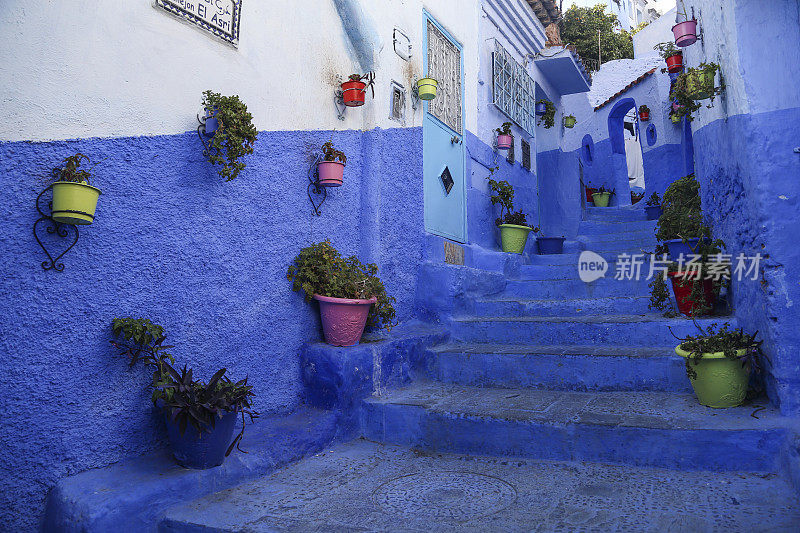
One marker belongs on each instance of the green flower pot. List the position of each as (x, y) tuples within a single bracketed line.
[(514, 237), (74, 203), (675, 119), (601, 199), (426, 88), (720, 382), (569, 122)]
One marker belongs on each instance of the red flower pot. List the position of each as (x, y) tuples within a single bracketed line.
[(685, 33), (675, 63), (354, 93), (644, 116), (343, 319), (589, 192), (330, 173), (682, 288)]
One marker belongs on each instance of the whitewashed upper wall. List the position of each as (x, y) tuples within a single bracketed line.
[(82, 68), (658, 31)]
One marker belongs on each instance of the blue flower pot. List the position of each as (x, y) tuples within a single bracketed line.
[(204, 450), (541, 109), (653, 212), (550, 245), (677, 247), (212, 123)]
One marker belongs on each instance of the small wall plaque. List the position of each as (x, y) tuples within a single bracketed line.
[(453, 253), (219, 17)]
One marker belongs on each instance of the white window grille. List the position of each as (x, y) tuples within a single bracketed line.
[(514, 91)]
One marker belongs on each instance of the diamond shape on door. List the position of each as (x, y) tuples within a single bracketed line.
[(447, 180)]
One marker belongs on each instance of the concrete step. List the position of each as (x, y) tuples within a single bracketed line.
[(661, 429), (637, 330), (615, 214), (636, 305), (364, 486), (635, 237), (594, 227), (574, 288), (570, 367)]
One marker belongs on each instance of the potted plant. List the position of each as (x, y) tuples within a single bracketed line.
[(680, 226), (569, 121), (505, 139), (426, 88), (234, 132), (692, 86), (74, 199), (350, 294), (200, 416), (644, 113), (550, 245), (602, 197), (331, 168), (514, 227), (653, 207), (685, 32), (354, 90), (672, 55), (546, 111), (718, 364)]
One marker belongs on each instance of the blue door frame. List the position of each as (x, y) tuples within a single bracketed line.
[(443, 148)]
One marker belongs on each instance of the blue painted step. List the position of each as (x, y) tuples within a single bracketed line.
[(631, 236), (575, 288), (583, 330), (636, 305), (595, 227), (662, 429), (559, 367), (616, 214)]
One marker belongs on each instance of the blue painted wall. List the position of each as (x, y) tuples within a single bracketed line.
[(205, 258)]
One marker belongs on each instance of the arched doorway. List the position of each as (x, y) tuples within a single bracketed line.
[(627, 167)]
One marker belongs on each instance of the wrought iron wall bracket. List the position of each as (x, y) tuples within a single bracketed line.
[(314, 187), (47, 223), (415, 100), (201, 131), (338, 102)]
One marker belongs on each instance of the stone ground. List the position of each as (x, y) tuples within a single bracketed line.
[(363, 486)]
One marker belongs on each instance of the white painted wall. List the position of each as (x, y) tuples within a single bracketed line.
[(82, 68), (658, 31)]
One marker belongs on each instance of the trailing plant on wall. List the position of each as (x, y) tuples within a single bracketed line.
[(186, 400), (667, 49), (548, 119), (504, 129), (693, 86), (235, 134), (321, 269), (329, 153)]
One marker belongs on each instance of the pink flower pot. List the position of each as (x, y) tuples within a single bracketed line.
[(504, 142), (330, 173), (343, 319), (685, 33), (676, 107)]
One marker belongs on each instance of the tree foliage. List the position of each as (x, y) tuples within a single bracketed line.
[(579, 28)]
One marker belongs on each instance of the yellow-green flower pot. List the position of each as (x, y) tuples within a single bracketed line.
[(513, 237), (720, 382), (675, 119), (569, 122), (74, 203), (699, 84), (426, 87), (601, 199)]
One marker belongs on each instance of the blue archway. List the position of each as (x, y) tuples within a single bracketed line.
[(619, 164)]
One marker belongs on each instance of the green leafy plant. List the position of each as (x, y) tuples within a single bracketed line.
[(72, 171), (689, 89), (321, 269), (659, 297), (714, 339), (643, 109), (329, 153), (503, 194), (504, 129), (368, 78), (186, 400), (580, 27), (602, 189), (636, 196), (235, 134), (667, 49), (654, 200), (549, 117)]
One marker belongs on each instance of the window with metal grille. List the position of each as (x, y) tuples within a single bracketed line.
[(526, 155), (513, 90)]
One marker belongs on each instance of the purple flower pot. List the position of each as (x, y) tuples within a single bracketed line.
[(343, 319), (204, 450), (540, 109), (331, 173), (550, 245), (685, 33), (504, 142)]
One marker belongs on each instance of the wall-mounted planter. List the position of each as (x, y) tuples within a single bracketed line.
[(685, 33), (540, 109), (700, 84), (653, 212), (550, 245), (343, 319), (205, 450), (74, 203), (682, 288), (675, 119), (644, 116), (569, 122), (331, 173), (514, 237), (719, 382), (675, 63), (601, 199), (426, 88), (505, 142), (354, 93)]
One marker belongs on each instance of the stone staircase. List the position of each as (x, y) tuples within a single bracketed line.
[(548, 404)]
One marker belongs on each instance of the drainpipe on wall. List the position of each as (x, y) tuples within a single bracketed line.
[(360, 31)]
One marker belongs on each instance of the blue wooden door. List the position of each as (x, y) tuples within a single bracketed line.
[(443, 132)]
